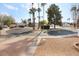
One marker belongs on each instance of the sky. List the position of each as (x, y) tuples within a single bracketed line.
[(21, 10)]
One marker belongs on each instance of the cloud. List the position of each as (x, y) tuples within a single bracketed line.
[(36, 5), (23, 5), (10, 7), (26, 6)]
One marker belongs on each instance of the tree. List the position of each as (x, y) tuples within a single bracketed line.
[(24, 21), (33, 10), (8, 20), (54, 15), (29, 22), (5, 20), (74, 10), (30, 12), (1, 19)]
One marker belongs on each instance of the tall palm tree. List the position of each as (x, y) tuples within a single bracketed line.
[(39, 10), (43, 5), (33, 10), (74, 9), (78, 17)]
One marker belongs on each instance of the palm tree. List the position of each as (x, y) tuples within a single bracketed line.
[(43, 5), (78, 17), (29, 20), (74, 9), (33, 10), (39, 10), (24, 21)]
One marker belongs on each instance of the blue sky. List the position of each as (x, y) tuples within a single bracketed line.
[(21, 10)]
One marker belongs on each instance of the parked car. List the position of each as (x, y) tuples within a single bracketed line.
[(22, 26), (12, 26), (5, 26)]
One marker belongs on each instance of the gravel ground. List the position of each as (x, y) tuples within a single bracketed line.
[(58, 47)]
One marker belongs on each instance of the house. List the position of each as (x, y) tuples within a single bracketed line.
[(66, 24)]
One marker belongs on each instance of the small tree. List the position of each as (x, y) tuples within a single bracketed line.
[(5, 20), (54, 15)]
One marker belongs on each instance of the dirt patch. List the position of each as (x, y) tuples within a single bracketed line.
[(15, 48), (58, 47)]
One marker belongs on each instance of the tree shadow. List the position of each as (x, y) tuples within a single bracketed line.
[(57, 32), (18, 34)]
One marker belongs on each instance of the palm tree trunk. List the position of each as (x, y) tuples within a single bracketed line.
[(33, 13), (39, 21), (33, 21)]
